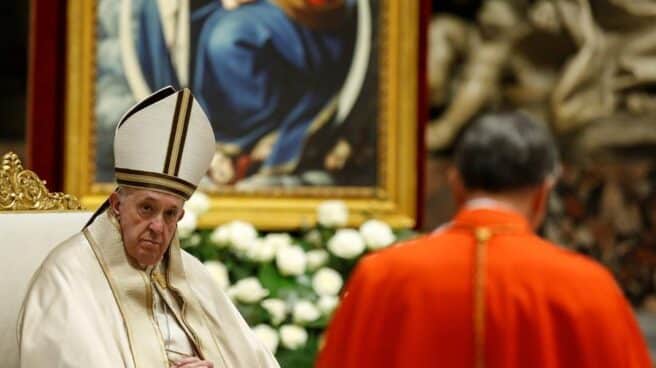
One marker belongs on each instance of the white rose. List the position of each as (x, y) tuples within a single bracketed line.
[(346, 243), (377, 234), (248, 290), (193, 241), (291, 260), (219, 273), (221, 236), (313, 237), (276, 308), (327, 304), (278, 240), (261, 251), (264, 250), (268, 336), (187, 224), (332, 213), (327, 282), (293, 337), (316, 258), (305, 312), (198, 203), (242, 236)]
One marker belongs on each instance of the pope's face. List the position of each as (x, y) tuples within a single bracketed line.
[(148, 220)]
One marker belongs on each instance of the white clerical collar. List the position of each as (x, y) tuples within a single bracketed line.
[(488, 203)]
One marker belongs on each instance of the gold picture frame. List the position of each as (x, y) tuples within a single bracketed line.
[(394, 196)]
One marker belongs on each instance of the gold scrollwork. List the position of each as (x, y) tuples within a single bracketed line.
[(22, 189)]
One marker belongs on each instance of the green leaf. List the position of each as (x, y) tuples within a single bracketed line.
[(254, 314), (321, 323), (326, 234), (405, 234), (341, 265), (300, 358), (306, 245), (272, 280), (204, 252)]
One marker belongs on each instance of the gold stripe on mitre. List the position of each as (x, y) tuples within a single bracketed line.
[(178, 132), (155, 181)]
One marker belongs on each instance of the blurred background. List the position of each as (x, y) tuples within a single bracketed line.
[(14, 16)]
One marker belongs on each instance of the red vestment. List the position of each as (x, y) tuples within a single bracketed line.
[(412, 305)]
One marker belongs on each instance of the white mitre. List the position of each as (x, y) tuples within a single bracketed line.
[(164, 143)]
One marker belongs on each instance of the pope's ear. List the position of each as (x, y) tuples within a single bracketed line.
[(454, 179), (114, 202)]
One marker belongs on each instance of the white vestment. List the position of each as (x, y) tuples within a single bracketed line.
[(89, 307)]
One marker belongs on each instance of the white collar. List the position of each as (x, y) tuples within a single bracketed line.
[(488, 203)]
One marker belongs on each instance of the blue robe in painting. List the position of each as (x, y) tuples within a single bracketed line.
[(254, 70)]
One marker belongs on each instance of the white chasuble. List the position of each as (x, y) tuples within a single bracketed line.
[(89, 307)]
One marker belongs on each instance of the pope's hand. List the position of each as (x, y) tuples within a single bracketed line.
[(192, 362)]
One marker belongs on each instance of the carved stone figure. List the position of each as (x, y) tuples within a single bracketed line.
[(581, 65)]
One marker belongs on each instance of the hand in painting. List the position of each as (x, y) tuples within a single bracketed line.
[(234, 4), (338, 155), (221, 169)]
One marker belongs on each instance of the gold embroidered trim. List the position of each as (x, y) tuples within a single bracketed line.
[(154, 181), (128, 284), (150, 308), (159, 278), (119, 304), (180, 319), (192, 314), (482, 236)]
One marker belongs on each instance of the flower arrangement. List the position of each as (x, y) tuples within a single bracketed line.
[(286, 285)]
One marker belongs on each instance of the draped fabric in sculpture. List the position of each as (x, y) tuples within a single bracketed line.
[(572, 62)]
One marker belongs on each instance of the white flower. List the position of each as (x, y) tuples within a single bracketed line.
[(198, 203), (346, 243), (219, 273), (316, 258), (377, 234), (248, 290), (278, 240), (327, 282), (221, 236), (327, 304), (268, 336), (242, 236), (276, 308), (187, 224), (260, 251), (291, 260), (313, 237), (238, 234), (293, 337), (332, 213), (305, 312), (193, 241), (264, 250)]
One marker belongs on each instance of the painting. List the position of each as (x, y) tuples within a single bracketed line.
[(308, 99)]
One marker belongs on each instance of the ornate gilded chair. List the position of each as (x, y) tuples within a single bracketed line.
[(32, 222)]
